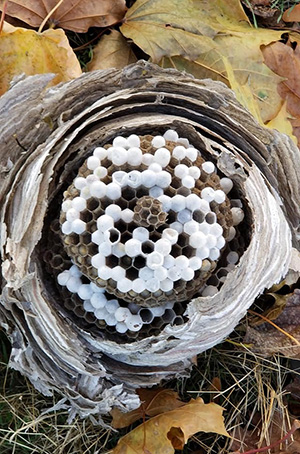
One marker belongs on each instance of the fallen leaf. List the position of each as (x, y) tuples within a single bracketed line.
[(112, 51), (282, 122), (209, 38), (26, 51), (74, 15), (154, 402), (157, 435), (292, 14)]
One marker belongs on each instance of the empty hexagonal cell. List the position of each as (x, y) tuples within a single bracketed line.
[(147, 247), (125, 262), (139, 262), (112, 261), (176, 250)]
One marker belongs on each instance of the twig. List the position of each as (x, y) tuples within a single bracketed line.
[(49, 15)]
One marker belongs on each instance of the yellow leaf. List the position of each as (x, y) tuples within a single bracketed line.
[(206, 38), (29, 52), (168, 431), (282, 123), (112, 51)]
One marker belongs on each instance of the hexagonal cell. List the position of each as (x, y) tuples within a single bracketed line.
[(147, 247), (112, 261), (139, 262), (125, 262)]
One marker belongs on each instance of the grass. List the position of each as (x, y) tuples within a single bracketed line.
[(251, 388)]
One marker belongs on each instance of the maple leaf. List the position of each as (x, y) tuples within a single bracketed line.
[(171, 430), (74, 15), (154, 402), (112, 51), (26, 51), (209, 38)]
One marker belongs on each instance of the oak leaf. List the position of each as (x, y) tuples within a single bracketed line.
[(171, 430), (154, 402), (112, 51), (74, 15), (26, 51), (292, 14)]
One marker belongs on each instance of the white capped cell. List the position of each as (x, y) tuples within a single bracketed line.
[(87, 306), (121, 327), (85, 192), (120, 177), (195, 172), (163, 179), (204, 227), (133, 247), (182, 262), (120, 141), (188, 182), (148, 178), (133, 141), (118, 250), (187, 274), (122, 313), (105, 222), (171, 135), (174, 273), (100, 172), (155, 167), (220, 242), (66, 205), (114, 211), (181, 170), (97, 237), (208, 194), (179, 152), (113, 191), (73, 284), (98, 300), (163, 246), (216, 229), (158, 311), (79, 203), (78, 226), (80, 182), (118, 273), (135, 156), (63, 277), (211, 241), (134, 179), (197, 239), (166, 202), (162, 156), (66, 228), (110, 319), (152, 285), (191, 227), (156, 192), (98, 260), (112, 306), (138, 285), (204, 206), (147, 159), (237, 215), (75, 271), (184, 216), (92, 162), (105, 249), (208, 167), (202, 252), (141, 234), (145, 273), (169, 262), (195, 263), (90, 179), (178, 202), (210, 290), (127, 215), (124, 285), (85, 292), (214, 253), (97, 289), (183, 141), (226, 184), (231, 234), (101, 313), (166, 286), (158, 142), (98, 189), (193, 202), (232, 258), (219, 196), (112, 236), (192, 153), (161, 273), (171, 235), (100, 153), (154, 260), (134, 323)]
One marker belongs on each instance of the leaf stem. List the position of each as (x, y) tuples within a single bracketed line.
[(49, 15), (3, 15)]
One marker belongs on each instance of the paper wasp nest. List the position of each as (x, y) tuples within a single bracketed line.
[(142, 212)]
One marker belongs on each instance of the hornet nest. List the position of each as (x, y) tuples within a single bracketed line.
[(142, 212)]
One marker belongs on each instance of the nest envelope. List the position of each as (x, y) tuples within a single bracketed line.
[(46, 137)]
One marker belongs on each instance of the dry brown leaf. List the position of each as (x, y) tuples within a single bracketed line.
[(171, 430), (154, 402), (26, 51), (74, 15), (112, 51), (209, 38), (292, 14)]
